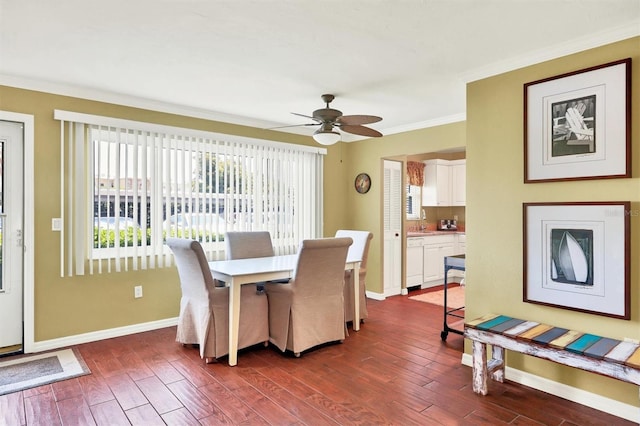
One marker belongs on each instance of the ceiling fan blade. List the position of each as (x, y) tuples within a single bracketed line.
[(361, 130), (293, 125), (354, 120), (306, 116)]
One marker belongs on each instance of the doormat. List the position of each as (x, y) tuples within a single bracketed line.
[(455, 297), (25, 372)]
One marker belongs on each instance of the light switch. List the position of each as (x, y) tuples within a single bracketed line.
[(56, 224)]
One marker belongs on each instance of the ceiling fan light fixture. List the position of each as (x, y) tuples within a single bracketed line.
[(325, 135), (329, 119)]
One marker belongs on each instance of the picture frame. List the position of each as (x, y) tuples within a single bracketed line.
[(578, 125), (576, 256)]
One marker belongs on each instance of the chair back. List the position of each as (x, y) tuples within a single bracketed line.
[(243, 245), (193, 268), (320, 267), (360, 246)]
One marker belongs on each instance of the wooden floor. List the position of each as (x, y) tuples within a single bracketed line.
[(394, 371)]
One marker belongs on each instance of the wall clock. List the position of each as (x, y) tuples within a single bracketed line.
[(363, 183)]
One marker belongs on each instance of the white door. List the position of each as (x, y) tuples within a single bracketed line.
[(392, 218), (11, 239)]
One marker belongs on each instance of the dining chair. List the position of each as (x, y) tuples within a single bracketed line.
[(359, 249), (248, 244), (309, 310), (204, 305)]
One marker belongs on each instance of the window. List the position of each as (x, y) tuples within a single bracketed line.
[(414, 201), (130, 185)]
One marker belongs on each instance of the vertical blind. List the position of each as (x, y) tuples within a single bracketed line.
[(126, 186)]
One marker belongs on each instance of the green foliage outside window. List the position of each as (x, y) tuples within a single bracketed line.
[(106, 238)]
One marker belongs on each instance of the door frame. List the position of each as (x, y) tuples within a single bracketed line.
[(28, 299)]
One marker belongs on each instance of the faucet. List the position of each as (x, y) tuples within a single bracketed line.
[(423, 220)]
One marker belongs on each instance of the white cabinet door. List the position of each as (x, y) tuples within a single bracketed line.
[(433, 266), (462, 244), (458, 183), (434, 251), (445, 183), (436, 190), (414, 269)]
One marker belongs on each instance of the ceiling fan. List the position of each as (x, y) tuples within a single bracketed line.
[(328, 119)]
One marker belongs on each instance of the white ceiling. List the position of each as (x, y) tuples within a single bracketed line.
[(255, 61)]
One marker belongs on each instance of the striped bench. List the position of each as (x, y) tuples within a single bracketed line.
[(609, 357)]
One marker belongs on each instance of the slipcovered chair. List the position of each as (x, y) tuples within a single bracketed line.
[(204, 306), (248, 244), (309, 310), (359, 249), (243, 245)]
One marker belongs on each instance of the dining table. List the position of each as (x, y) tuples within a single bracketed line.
[(238, 272)]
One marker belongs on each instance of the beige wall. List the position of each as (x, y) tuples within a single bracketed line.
[(82, 304), (495, 190)]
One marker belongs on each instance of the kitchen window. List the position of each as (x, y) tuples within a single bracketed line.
[(414, 201)]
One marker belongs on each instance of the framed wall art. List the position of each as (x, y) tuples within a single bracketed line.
[(578, 125), (576, 256)]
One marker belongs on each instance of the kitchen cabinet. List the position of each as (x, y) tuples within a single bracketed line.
[(458, 173), (434, 250), (425, 255), (462, 244), (436, 190), (414, 262), (444, 183)]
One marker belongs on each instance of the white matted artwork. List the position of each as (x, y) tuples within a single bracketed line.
[(578, 125), (576, 256)]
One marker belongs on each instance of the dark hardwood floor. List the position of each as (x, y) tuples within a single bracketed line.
[(394, 371)]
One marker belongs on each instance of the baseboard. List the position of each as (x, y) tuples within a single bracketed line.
[(601, 403), (375, 296), (78, 339)]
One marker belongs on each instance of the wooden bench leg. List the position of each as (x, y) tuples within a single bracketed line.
[(496, 366), (479, 367)]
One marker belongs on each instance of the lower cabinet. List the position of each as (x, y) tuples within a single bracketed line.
[(433, 253), (425, 258), (462, 244), (414, 262)]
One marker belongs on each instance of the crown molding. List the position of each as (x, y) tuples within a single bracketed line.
[(554, 52), (454, 118), (127, 100)]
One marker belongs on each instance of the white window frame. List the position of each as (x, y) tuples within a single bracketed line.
[(78, 180), (413, 208)]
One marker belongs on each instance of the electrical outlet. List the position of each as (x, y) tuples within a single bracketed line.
[(137, 291)]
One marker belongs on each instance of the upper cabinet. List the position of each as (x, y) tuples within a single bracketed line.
[(458, 175), (444, 183)]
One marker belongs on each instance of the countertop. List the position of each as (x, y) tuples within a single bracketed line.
[(412, 234)]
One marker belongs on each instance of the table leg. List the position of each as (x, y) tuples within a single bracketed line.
[(355, 278), (234, 321), (445, 327)]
